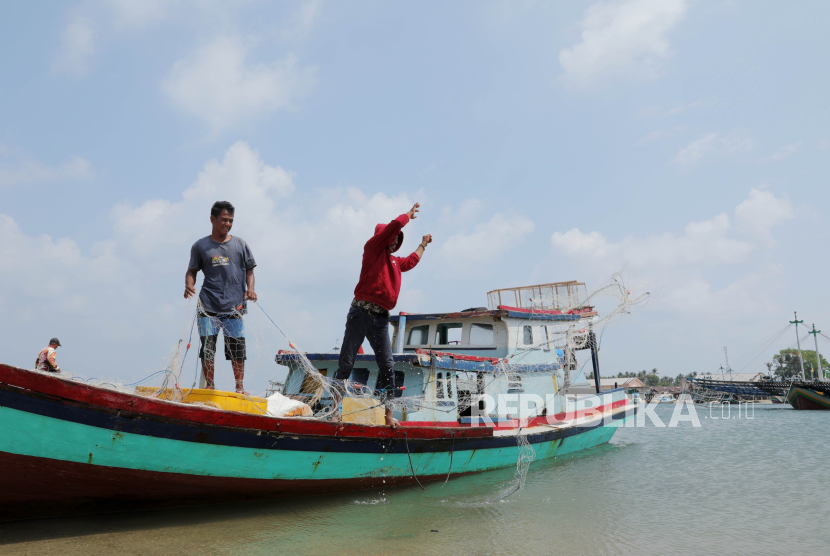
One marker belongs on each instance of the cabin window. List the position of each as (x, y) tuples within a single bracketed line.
[(449, 333), (449, 385), (528, 335), (546, 338), (361, 376), (439, 386), (419, 335), (482, 334)]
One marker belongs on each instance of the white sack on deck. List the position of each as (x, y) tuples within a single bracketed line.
[(280, 406)]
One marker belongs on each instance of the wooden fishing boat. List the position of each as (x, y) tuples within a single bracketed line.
[(68, 447), (800, 394), (809, 395)]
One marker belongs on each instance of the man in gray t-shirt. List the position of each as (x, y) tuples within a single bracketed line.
[(228, 266)]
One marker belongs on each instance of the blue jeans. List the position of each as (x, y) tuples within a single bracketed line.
[(360, 325)]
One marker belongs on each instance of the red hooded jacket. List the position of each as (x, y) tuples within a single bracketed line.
[(380, 276)]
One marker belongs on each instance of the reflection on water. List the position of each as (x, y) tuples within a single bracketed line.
[(731, 486)]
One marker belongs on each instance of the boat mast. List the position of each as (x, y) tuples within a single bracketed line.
[(726, 356), (796, 322), (819, 370)]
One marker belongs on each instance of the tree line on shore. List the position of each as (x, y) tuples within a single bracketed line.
[(784, 364), (652, 378)]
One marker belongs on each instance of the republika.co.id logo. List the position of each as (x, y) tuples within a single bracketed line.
[(532, 410)]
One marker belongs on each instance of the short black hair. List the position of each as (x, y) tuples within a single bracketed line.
[(219, 206)]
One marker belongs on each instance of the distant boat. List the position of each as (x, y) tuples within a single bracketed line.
[(809, 395), (800, 394)]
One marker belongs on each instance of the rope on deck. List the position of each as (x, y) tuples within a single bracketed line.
[(412, 467), (452, 451)]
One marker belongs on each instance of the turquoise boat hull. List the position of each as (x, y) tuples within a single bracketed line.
[(67, 447)]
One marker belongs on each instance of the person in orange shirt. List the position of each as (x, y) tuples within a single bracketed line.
[(46, 359)]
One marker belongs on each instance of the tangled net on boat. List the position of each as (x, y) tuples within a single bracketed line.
[(182, 369), (561, 339)]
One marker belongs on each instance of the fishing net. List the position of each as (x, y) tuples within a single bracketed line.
[(355, 402), (180, 371)]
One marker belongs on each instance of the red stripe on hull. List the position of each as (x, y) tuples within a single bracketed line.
[(558, 419), (66, 389), (39, 487)]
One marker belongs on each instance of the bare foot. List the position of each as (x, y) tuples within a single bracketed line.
[(391, 421), (243, 392)]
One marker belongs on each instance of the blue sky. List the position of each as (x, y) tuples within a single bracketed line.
[(685, 143)]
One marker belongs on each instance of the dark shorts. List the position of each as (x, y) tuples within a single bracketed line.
[(232, 328), (234, 348)]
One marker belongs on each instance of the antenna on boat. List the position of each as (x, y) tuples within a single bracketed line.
[(819, 371), (726, 357), (796, 322)]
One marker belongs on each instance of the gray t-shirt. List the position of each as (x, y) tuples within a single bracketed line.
[(225, 266)]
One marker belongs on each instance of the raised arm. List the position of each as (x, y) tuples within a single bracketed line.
[(408, 263), (426, 240), (390, 232)]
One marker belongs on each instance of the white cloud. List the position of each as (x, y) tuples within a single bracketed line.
[(758, 214), (695, 150), (682, 107), (751, 294), (241, 177), (136, 13), (712, 143), (702, 243), (622, 38), (48, 270), (303, 20), (677, 264), (29, 169), (487, 240), (77, 47), (332, 226), (152, 239), (787, 151), (221, 86)]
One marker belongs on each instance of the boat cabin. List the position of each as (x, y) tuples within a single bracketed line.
[(447, 361)]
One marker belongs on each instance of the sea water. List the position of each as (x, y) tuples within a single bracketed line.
[(751, 483)]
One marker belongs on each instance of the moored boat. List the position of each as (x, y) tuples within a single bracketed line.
[(809, 395), (67, 446)]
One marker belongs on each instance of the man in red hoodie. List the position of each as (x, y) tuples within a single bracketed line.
[(375, 295)]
